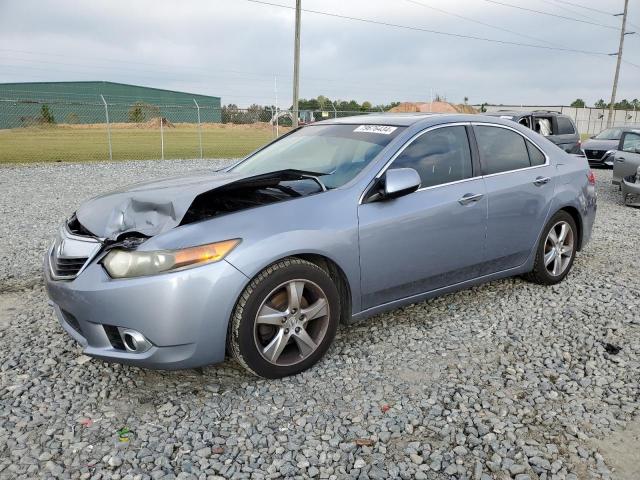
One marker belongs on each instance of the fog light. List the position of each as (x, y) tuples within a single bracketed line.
[(134, 341)]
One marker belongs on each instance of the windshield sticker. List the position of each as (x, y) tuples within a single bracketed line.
[(382, 129)]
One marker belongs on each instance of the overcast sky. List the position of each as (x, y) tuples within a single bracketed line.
[(235, 49)]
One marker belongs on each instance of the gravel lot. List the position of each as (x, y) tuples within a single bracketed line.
[(507, 380)]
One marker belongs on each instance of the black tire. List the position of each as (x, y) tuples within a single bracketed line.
[(243, 337), (540, 273)]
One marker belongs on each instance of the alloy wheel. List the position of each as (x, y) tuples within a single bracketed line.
[(291, 322), (558, 248)]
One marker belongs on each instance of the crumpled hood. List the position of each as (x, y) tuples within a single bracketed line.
[(593, 144), (149, 207)]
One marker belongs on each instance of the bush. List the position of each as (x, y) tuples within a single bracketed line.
[(46, 116)]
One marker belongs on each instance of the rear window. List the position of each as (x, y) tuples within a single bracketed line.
[(565, 126), (535, 155), (501, 150)]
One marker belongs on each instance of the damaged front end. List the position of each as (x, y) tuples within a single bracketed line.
[(114, 225)]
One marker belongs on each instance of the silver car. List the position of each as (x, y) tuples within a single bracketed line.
[(601, 148), (626, 167), (333, 222)]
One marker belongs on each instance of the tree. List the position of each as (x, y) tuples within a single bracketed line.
[(578, 103), (623, 104), (466, 99), (600, 104), (140, 111), (366, 106), (45, 115)]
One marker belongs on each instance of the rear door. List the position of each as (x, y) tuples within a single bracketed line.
[(565, 134), (520, 185), (627, 158)]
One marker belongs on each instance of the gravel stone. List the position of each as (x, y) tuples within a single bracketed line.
[(504, 379)]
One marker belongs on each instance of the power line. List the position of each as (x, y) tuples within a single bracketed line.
[(427, 30), (585, 7), (446, 12), (510, 5), (573, 11)]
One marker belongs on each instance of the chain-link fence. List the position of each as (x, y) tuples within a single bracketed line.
[(588, 120), (53, 130)]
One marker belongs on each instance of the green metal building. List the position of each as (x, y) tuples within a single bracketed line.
[(21, 104)]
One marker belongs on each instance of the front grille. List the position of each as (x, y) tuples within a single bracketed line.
[(594, 154), (67, 267)]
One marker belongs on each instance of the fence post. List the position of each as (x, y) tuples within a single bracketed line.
[(199, 127), (161, 136), (106, 112), (335, 112)]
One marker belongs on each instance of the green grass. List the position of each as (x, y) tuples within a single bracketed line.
[(77, 144)]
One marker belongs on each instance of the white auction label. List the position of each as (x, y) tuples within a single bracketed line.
[(382, 129)]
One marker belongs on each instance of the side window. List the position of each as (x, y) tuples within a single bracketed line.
[(565, 127), (440, 156), (536, 157), (501, 150), (631, 142)]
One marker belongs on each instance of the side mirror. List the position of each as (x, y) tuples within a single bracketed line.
[(400, 181)]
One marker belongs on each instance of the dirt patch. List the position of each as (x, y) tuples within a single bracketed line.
[(621, 451), (436, 107)]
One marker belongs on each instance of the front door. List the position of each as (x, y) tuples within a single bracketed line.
[(627, 158), (433, 237), (520, 185)]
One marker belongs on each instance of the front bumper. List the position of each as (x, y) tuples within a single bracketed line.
[(184, 315), (606, 160)]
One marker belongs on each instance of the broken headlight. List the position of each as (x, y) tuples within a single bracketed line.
[(130, 263)]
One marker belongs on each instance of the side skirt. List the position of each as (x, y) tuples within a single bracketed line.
[(385, 307)]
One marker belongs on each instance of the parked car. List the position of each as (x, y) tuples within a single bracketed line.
[(627, 166), (333, 222), (555, 126), (601, 148)]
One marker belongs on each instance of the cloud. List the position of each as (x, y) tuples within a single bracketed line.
[(237, 49)]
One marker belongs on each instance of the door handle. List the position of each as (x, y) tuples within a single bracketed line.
[(468, 198), (620, 159), (538, 182)]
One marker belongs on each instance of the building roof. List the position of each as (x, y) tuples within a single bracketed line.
[(78, 90)]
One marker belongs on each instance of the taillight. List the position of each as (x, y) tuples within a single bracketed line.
[(591, 177)]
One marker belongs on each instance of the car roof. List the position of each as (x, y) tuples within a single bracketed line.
[(522, 113), (408, 119), (398, 119)]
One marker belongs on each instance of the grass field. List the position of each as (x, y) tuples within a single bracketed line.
[(89, 143)]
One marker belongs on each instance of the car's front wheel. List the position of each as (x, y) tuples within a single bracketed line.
[(556, 250), (285, 320)]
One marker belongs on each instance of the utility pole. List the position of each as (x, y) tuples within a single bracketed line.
[(296, 64), (617, 75)]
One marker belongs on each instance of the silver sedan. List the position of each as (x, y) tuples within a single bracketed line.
[(331, 223)]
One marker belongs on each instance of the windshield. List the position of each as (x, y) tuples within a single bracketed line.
[(609, 134), (337, 152)]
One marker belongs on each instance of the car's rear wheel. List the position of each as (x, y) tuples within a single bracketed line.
[(285, 320), (556, 250)]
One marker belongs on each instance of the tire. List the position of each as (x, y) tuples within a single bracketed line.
[(556, 269), (272, 338)]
